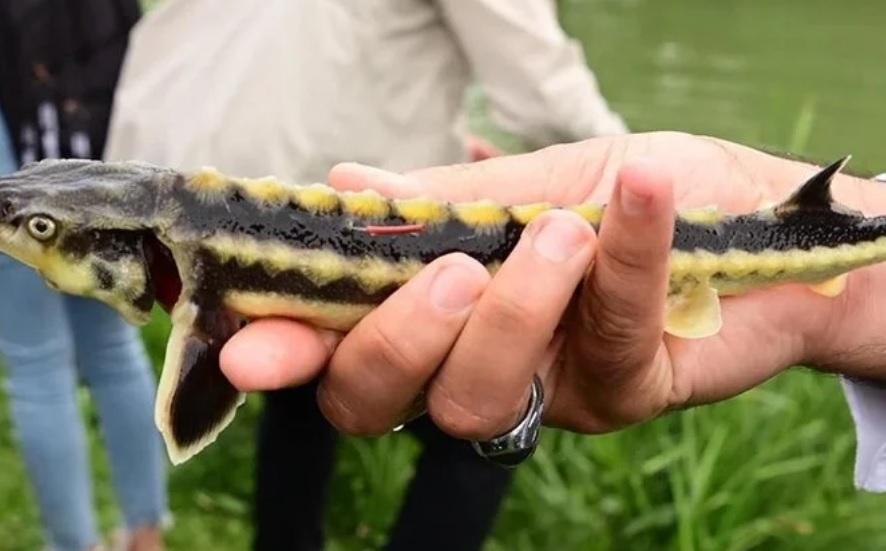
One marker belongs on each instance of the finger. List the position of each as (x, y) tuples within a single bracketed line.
[(274, 353), (630, 278), (484, 385), (480, 149), (359, 177), (490, 178), (388, 358), (620, 316), (560, 174)]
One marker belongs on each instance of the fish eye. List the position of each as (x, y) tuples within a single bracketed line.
[(41, 227)]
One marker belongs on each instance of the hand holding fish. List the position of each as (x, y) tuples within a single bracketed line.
[(595, 273), (609, 363)]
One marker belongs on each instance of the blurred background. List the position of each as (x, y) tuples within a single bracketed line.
[(771, 469)]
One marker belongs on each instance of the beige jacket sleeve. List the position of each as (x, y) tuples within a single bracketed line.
[(535, 77)]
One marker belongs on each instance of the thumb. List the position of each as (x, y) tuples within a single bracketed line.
[(621, 311)]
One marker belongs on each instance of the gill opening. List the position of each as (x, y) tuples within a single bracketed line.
[(164, 272)]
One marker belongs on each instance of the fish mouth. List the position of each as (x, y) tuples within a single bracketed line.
[(11, 246), (163, 272)]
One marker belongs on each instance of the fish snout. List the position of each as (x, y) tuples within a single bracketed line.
[(7, 209)]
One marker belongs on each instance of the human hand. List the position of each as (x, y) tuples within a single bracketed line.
[(609, 364), (480, 149)]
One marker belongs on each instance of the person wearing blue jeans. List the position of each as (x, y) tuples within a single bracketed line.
[(47, 339)]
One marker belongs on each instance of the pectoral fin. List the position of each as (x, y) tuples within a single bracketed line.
[(831, 287), (195, 401), (694, 313)]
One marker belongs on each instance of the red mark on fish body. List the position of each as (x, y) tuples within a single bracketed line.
[(395, 230)]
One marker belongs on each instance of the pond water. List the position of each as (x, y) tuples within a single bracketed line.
[(807, 76)]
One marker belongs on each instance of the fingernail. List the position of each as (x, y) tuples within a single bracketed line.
[(631, 203), (559, 238), (454, 288)]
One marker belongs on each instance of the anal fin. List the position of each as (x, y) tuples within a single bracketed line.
[(195, 401), (694, 313), (831, 287)]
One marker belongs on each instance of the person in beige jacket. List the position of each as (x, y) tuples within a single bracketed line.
[(290, 89)]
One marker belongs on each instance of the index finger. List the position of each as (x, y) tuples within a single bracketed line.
[(558, 174)]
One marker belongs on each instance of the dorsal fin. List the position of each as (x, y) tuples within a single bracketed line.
[(815, 193)]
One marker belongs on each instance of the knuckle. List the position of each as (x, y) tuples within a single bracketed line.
[(345, 417), (591, 169), (608, 320), (612, 334), (505, 313), (403, 355), (625, 263), (612, 313), (601, 407), (462, 421), (584, 415)]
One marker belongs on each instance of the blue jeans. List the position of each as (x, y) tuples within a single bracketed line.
[(47, 339)]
